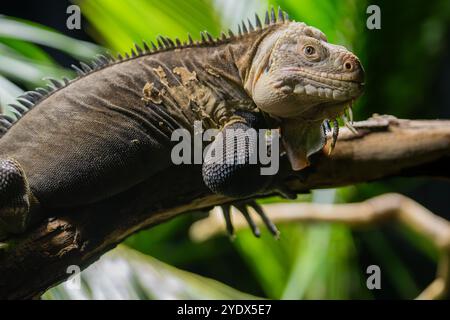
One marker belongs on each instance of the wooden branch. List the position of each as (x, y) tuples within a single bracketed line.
[(377, 210), (384, 147)]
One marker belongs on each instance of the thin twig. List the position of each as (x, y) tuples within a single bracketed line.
[(376, 210)]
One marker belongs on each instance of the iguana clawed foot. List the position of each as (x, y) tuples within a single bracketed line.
[(243, 207), (15, 198)]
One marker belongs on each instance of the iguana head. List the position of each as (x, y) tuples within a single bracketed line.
[(300, 78), (298, 74)]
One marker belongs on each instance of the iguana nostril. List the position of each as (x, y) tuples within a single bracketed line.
[(354, 67)]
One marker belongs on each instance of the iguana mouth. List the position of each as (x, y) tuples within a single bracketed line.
[(355, 76), (326, 86)]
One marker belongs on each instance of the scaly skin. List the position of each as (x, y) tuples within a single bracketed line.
[(108, 130), (302, 79)]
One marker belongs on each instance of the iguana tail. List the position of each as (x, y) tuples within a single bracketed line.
[(16, 198)]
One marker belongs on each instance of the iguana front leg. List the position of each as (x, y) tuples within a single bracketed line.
[(16, 199), (228, 169)]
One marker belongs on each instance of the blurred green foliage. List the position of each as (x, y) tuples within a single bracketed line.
[(23, 61), (316, 261), (126, 274)]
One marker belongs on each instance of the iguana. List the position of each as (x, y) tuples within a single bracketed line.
[(80, 141)]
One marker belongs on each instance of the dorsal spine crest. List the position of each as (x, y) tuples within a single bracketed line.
[(29, 99)]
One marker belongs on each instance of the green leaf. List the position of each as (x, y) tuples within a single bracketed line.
[(13, 28), (120, 23), (15, 66), (127, 274)]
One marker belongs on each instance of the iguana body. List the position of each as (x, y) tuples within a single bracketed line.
[(109, 129)]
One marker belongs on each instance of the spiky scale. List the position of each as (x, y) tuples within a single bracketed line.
[(85, 67), (160, 44), (280, 15), (202, 36), (178, 42), (42, 91), (257, 22), (103, 58), (16, 113), (239, 31), (170, 42), (127, 56), (55, 82), (66, 81), (267, 19), (20, 109), (36, 94), (223, 36), (8, 118), (250, 26), (94, 65), (154, 47), (244, 27), (138, 49), (109, 57), (133, 53), (286, 17), (146, 48), (78, 70), (31, 96), (99, 62), (209, 36), (164, 41), (4, 123), (27, 96), (191, 42), (230, 34), (119, 57), (273, 18), (25, 102)]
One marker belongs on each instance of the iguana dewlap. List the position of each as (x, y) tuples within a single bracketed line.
[(82, 141)]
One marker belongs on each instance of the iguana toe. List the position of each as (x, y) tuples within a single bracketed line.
[(243, 207)]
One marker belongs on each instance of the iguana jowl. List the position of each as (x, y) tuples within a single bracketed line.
[(82, 141)]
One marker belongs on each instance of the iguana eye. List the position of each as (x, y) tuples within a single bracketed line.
[(309, 50)]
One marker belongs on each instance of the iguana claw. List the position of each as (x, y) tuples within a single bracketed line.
[(243, 206)]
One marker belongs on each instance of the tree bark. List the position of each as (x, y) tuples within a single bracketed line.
[(384, 147)]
